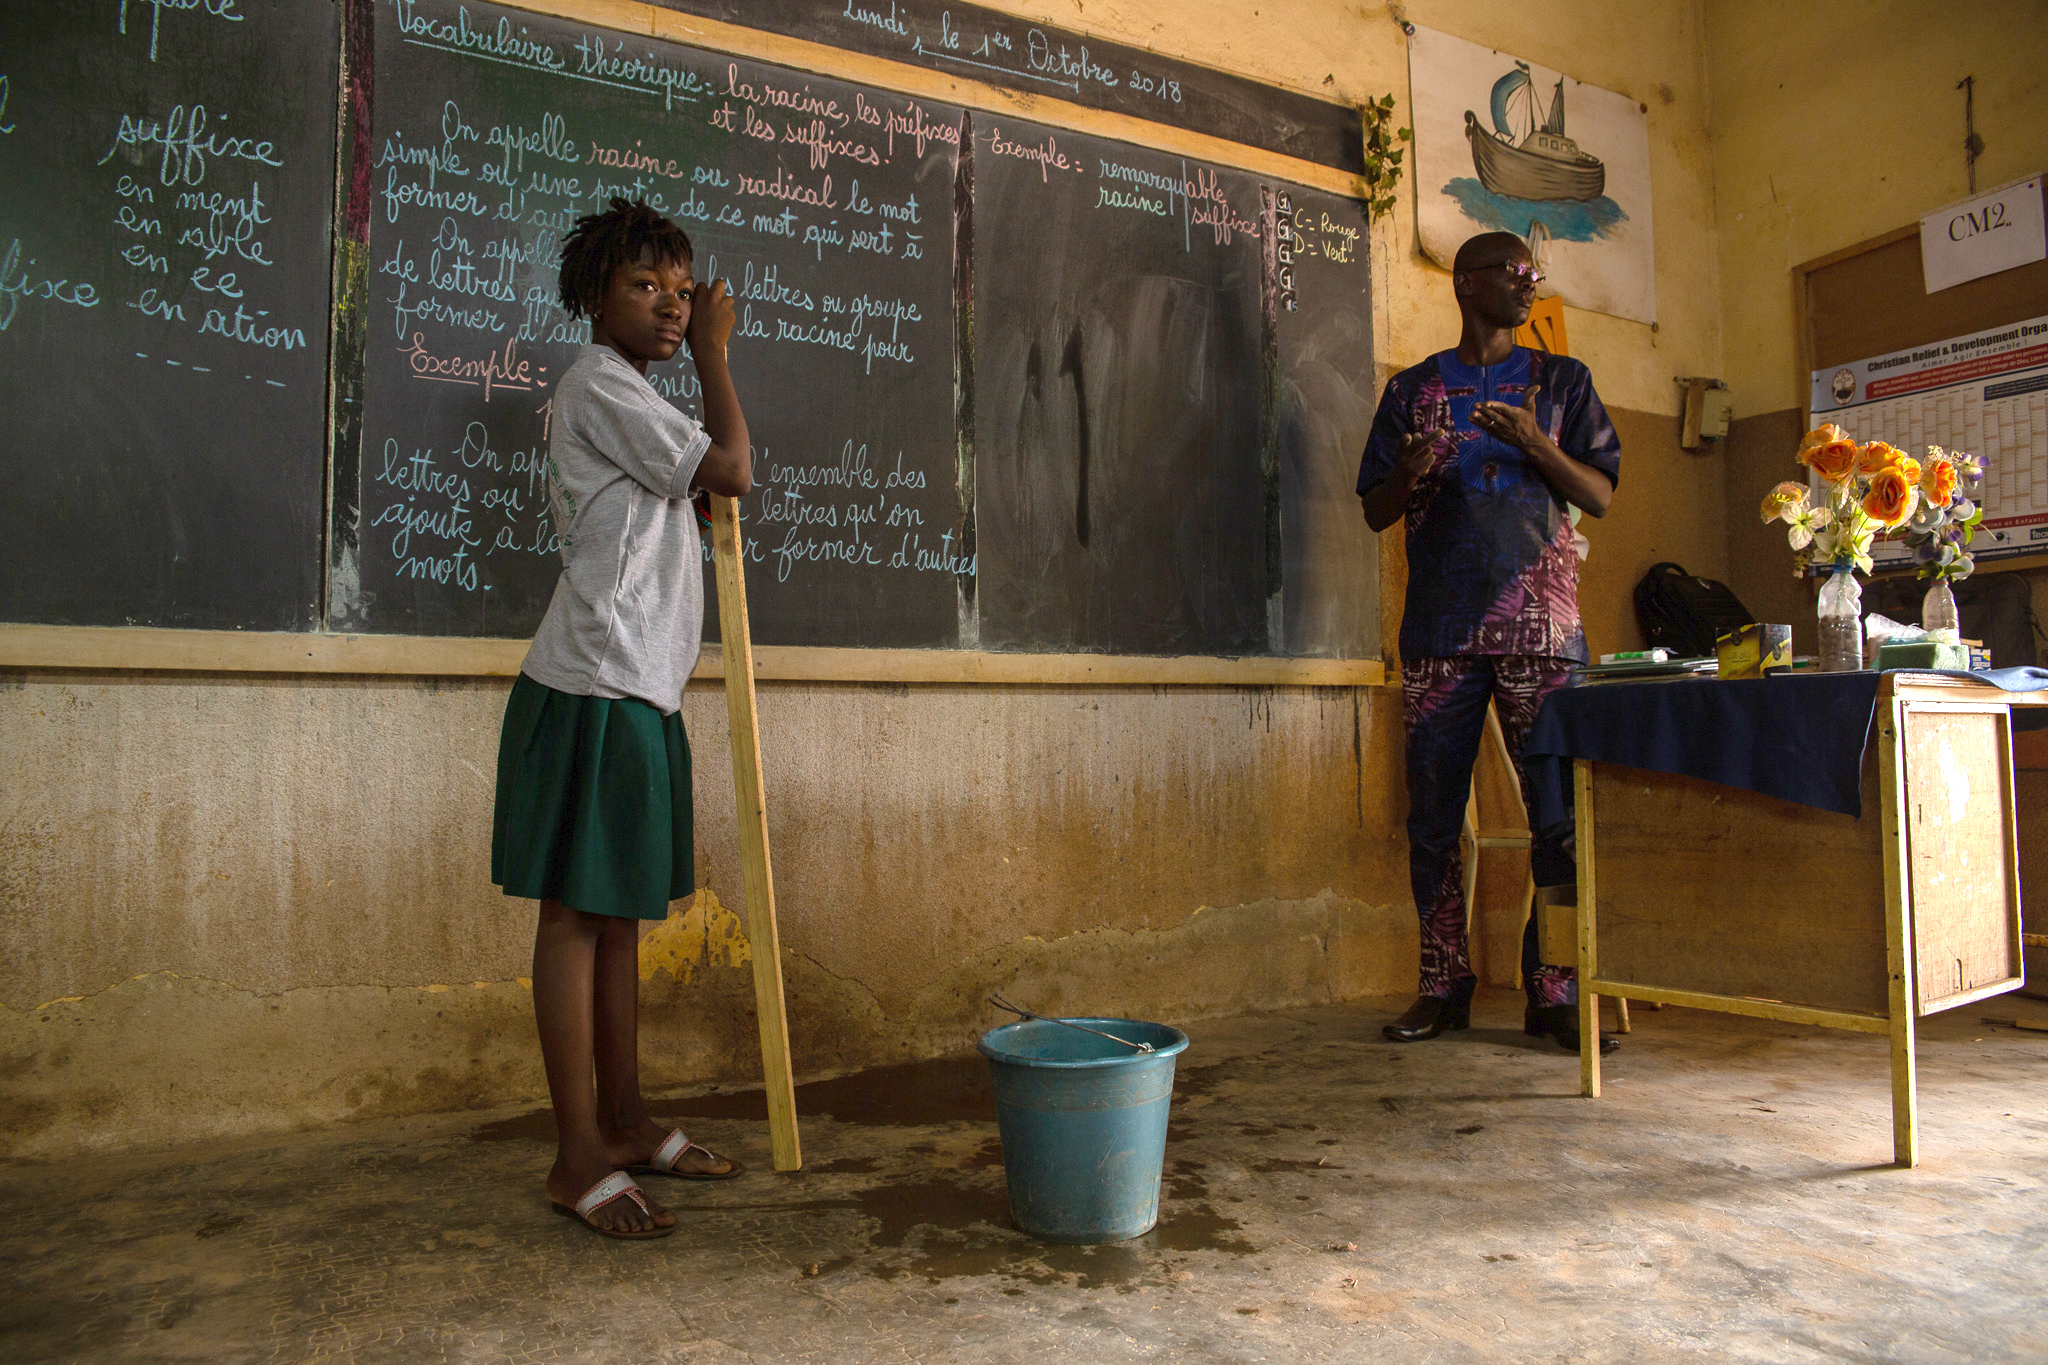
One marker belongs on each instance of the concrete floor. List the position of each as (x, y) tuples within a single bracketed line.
[(1329, 1197)]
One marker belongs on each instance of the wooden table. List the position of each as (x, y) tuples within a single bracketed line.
[(1692, 893)]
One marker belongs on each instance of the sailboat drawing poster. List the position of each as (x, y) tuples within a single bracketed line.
[(1502, 144)]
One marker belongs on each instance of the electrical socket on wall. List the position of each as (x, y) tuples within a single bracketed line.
[(1704, 416)]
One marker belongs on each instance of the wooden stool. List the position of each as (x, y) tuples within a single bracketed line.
[(1510, 831)]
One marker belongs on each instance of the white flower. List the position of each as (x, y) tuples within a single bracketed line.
[(1804, 523)]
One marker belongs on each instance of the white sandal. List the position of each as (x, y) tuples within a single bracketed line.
[(671, 1151), (618, 1185)]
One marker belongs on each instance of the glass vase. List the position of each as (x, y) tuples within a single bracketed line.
[(1841, 623), (1938, 612)]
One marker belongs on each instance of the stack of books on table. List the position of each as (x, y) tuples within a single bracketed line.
[(1644, 665)]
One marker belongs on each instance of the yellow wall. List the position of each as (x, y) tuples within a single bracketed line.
[(235, 904), (1833, 124)]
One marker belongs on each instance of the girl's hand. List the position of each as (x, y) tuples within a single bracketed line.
[(728, 466), (711, 319)]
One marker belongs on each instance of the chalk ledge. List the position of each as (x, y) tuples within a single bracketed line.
[(146, 649)]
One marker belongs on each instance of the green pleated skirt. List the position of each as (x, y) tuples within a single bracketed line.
[(593, 805)]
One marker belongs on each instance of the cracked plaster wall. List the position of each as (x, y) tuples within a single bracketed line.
[(233, 905)]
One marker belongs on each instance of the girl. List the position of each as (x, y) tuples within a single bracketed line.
[(593, 804)]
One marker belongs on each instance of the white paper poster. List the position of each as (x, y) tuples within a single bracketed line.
[(1502, 145), (1986, 393)]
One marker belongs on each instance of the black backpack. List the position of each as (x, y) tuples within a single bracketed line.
[(1686, 614)]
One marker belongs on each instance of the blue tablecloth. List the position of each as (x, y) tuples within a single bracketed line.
[(1800, 738)]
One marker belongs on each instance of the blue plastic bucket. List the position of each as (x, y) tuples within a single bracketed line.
[(1083, 1123)]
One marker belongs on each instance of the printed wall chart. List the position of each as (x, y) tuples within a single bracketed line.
[(1986, 393)]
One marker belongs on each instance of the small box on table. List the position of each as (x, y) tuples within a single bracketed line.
[(1756, 650)]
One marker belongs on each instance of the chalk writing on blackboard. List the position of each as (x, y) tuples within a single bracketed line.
[(591, 56), (809, 197), (982, 43), (193, 169), (227, 10), (178, 218), (1035, 56), (166, 171), (20, 279)]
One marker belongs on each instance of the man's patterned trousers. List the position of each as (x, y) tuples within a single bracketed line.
[(1443, 701)]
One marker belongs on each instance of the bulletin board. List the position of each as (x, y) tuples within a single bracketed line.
[(1870, 300)]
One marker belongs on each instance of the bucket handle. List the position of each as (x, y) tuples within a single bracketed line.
[(1003, 1004)]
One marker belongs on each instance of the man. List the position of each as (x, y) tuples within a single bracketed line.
[(1480, 449)]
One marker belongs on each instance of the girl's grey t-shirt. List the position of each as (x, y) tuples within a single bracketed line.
[(627, 616)]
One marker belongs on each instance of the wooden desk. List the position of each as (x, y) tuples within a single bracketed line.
[(1696, 894)]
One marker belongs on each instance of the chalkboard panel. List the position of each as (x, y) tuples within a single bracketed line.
[(987, 45), (827, 206), (1324, 400), (1120, 371), (1173, 381), (166, 180)]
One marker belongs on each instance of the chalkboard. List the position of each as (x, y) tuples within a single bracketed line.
[(1120, 368), (166, 183), (828, 207), (1323, 405), (1173, 377), (1010, 388), (987, 45)]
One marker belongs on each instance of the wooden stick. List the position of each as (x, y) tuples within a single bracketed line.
[(752, 803), (1589, 926)]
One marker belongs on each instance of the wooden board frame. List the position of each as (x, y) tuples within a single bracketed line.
[(147, 649), (1802, 308), (1969, 306), (630, 16), (150, 649), (1919, 910)]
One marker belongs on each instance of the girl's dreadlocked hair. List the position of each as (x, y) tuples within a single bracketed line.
[(600, 243)]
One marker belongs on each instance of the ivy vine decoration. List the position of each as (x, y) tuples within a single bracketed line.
[(1382, 154)]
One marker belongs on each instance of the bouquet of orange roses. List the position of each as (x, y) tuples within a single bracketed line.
[(1874, 487)]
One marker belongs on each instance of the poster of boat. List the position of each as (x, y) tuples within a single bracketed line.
[(1502, 144)]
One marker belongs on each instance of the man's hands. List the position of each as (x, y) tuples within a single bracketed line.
[(1386, 500), (1514, 425), (1579, 484), (1415, 456)]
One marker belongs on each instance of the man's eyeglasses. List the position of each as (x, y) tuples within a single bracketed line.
[(1521, 272)]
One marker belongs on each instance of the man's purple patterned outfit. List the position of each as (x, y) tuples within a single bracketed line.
[(1492, 613)]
